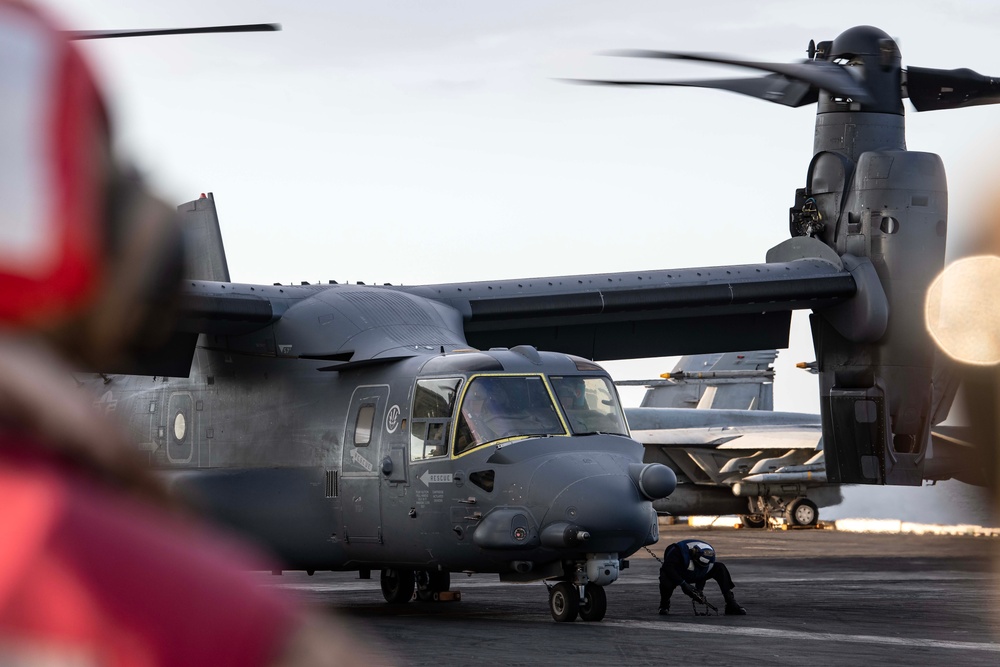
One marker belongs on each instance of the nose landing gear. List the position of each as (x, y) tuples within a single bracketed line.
[(567, 600), (564, 602), (594, 604), (581, 592)]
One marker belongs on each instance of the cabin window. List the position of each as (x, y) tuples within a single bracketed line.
[(504, 407), (590, 404), (430, 421), (363, 426)]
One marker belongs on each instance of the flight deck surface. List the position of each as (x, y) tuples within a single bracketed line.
[(813, 597)]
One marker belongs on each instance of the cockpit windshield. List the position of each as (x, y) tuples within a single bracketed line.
[(495, 408), (590, 403)]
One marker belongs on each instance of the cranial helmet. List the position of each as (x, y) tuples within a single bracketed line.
[(88, 258), (703, 555)]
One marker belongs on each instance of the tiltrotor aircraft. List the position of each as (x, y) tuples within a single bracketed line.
[(428, 430)]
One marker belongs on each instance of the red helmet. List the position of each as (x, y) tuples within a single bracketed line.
[(53, 140), (69, 216)]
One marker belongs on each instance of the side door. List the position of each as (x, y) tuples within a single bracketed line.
[(360, 478)]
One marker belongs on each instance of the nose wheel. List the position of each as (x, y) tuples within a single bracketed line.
[(567, 600), (594, 604), (564, 602)]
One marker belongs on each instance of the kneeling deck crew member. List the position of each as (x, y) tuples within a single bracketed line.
[(689, 564)]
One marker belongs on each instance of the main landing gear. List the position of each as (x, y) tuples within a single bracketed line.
[(802, 512), (398, 585), (798, 512), (753, 520), (567, 600)]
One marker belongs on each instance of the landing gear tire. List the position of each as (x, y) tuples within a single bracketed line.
[(397, 586), (753, 520), (802, 512), (564, 602), (431, 584), (595, 603)]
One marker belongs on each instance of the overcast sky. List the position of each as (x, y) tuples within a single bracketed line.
[(427, 141)]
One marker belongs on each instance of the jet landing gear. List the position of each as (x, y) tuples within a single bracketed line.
[(753, 520), (798, 512), (584, 596), (802, 512)]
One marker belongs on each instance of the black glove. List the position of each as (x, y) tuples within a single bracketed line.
[(689, 590)]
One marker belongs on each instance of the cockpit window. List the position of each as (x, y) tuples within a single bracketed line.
[(495, 408), (433, 404), (590, 403)]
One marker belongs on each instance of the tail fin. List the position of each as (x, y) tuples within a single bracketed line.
[(203, 236), (734, 381)]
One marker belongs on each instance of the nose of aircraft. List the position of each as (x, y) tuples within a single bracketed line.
[(595, 498), (606, 512)]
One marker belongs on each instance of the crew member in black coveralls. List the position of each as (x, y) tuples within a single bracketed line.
[(689, 564)]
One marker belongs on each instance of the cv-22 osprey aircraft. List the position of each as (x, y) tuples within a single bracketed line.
[(424, 430)]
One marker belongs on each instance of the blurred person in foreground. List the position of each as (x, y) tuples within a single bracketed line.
[(97, 565)]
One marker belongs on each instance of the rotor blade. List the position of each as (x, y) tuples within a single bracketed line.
[(773, 88), (818, 73), (108, 34), (932, 89)]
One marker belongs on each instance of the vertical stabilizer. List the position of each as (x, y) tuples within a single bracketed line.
[(203, 238), (734, 381)]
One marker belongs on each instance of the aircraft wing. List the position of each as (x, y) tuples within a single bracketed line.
[(646, 313), (597, 316), (720, 447), (734, 439), (724, 429)]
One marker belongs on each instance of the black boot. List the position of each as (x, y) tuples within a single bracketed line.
[(733, 608), (664, 608)]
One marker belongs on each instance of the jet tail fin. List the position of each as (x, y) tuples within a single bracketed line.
[(733, 381), (203, 236)]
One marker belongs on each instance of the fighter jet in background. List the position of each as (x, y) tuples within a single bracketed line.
[(711, 420)]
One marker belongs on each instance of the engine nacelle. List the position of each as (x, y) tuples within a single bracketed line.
[(876, 391)]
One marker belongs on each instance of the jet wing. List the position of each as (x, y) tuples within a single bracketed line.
[(735, 438), (719, 447), (724, 429)]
